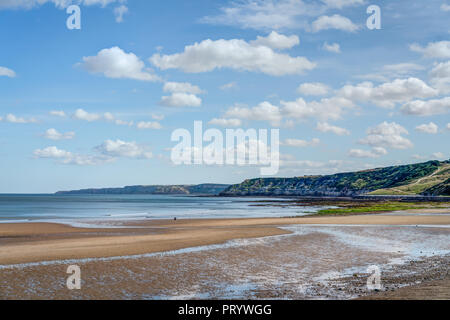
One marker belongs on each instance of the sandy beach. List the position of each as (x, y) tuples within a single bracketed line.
[(25, 245)]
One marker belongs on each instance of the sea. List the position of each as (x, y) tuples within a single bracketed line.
[(72, 208)]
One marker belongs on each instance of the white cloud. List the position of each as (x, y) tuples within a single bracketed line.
[(226, 122), (265, 15), (387, 135), (119, 12), (52, 152), (28, 4), (388, 94), (236, 54), (66, 157), (7, 72), (58, 113), (80, 114), (427, 108), (119, 148), (376, 152), (11, 118), (276, 41), (430, 128), (339, 4), (326, 127), (440, 77), (181, 99), (275, 15), (332, 47), (448, 126), (53, 134), (117, 64), (393, 71), (440, 49), (265, 111), (149, 125), (185, 87), (439, 155), (301, 143), (445, 7), (336, 21), (158, 117), (228, 86), (313, 89), (329, 108), (324, 109)]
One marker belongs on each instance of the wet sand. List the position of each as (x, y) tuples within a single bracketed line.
[(275, 258), (34, 242)]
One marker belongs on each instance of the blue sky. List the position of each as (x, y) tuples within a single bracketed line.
[(96, 107)]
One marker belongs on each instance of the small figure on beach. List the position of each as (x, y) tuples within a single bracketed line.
[(175, 219)]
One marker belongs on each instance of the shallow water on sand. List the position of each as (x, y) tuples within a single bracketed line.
[(295, 266)]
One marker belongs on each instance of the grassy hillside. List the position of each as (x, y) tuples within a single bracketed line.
[(420, 185), (419, 177)]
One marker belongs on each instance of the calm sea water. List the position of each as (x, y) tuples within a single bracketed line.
[(109, 207)]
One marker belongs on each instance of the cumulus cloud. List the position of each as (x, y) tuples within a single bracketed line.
[(440, 77), (181, 99), (326, 127), (376, 152), (66, 157), (265, 111), (387, 95), (298, 143), (427, 108), (328, 108), (53, 134), (7, 72), (149, 125), (393, 71), (445, 7), (81, 114), (58, 113), (236, 54), (117, 64), (324, 109), (339, 4), (336, 22), (119, 148), (430, 128), (108, 151), (158, 117), (119, 12), (439, 50), (228, 86), (332, 47), (313, 89), (222, 122), (275, 15), (438, 155), (28, 4), (276, 41), (11, 118), (387, 135), (185, 87)]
